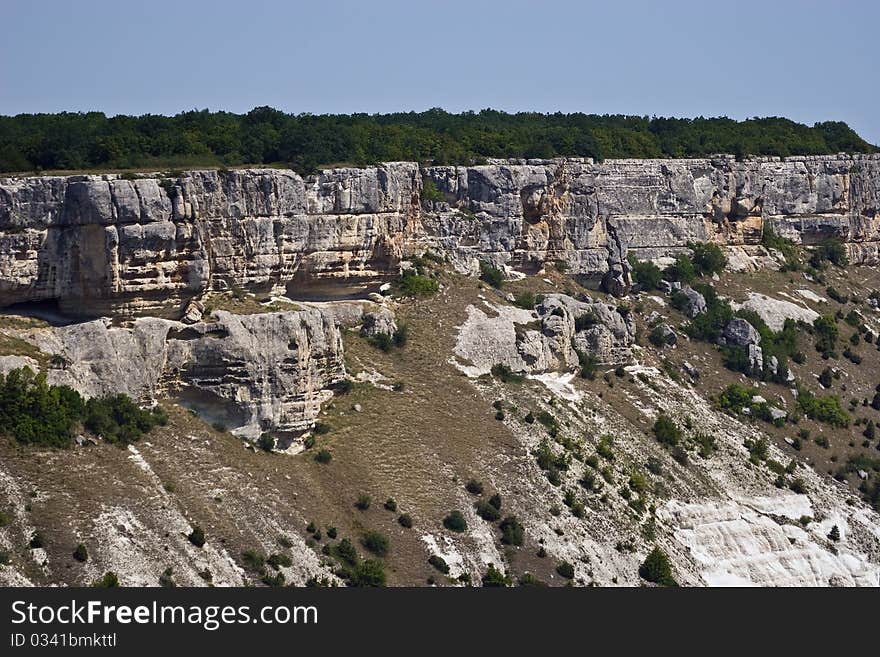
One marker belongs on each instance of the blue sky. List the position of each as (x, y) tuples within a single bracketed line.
[(807, 60)]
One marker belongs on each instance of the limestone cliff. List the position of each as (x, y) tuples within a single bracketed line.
[(261, 372), (105, 244)]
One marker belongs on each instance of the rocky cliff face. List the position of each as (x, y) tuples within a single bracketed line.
[(261, 372), (146, 246)]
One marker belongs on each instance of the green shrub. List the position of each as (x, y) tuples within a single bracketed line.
[(825, 409), (401, 336), (707, 258), (682, 270), (266, 442), (495, 578), (455, 522), (565, 569), (430, 192), (405, 520), (605, 448), (81, 554), (491, 275), (369, 572), (474, 487), (588, 364), (586, 321), (34, 412), (788, 249), (656, 568), (439, 563), (38, 540), (707, 326), (512, 531), (279, 561), (108, 581), (504, 374), (486, 511), (166, 579), (525, 300), (666, 431), (253, 560), (272, 580), (376, 542), (324, 456), (645, 274), (414, 285), (196, 536), (833, 293), (345, 552), (826, 332), (830, 250), (363, 502), (118, 419), (390, 504)]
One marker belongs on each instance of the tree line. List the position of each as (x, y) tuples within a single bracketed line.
[(91, 140)]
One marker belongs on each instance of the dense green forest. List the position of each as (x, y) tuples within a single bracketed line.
[(76, 141)]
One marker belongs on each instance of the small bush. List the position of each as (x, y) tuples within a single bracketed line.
[(279, 561), (495, 578), (405, 520), (166, 579), (486, 511), (474, 487), (363, 502), (682, 270), (512, 531), (565, 569), (390, 504), (108, 581), (346, 552), (266, 442), (504, 374), (645, 274), (369, 572), (439, 563), (38, 540), (253, 560), (657, 569), (197, 536), (525, 300), (455, 522), (491, 275), (376, 542), (415, 285), (324, 456), (707, 258), (666, 431), (81, 554)]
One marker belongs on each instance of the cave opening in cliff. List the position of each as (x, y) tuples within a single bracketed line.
[(46, 310), (211, 408)]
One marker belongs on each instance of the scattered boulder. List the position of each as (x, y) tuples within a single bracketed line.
[(696, 301), (739, 333), (193, 312), (378, 322)]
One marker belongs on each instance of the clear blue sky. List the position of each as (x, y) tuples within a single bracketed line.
[(807, 60)]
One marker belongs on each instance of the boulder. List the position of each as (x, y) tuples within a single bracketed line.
[(379, 322), (739, 333)]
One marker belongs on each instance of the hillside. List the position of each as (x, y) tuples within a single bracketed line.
[(554, 371)]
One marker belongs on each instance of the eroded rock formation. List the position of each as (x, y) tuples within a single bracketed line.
[(254, 373)]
